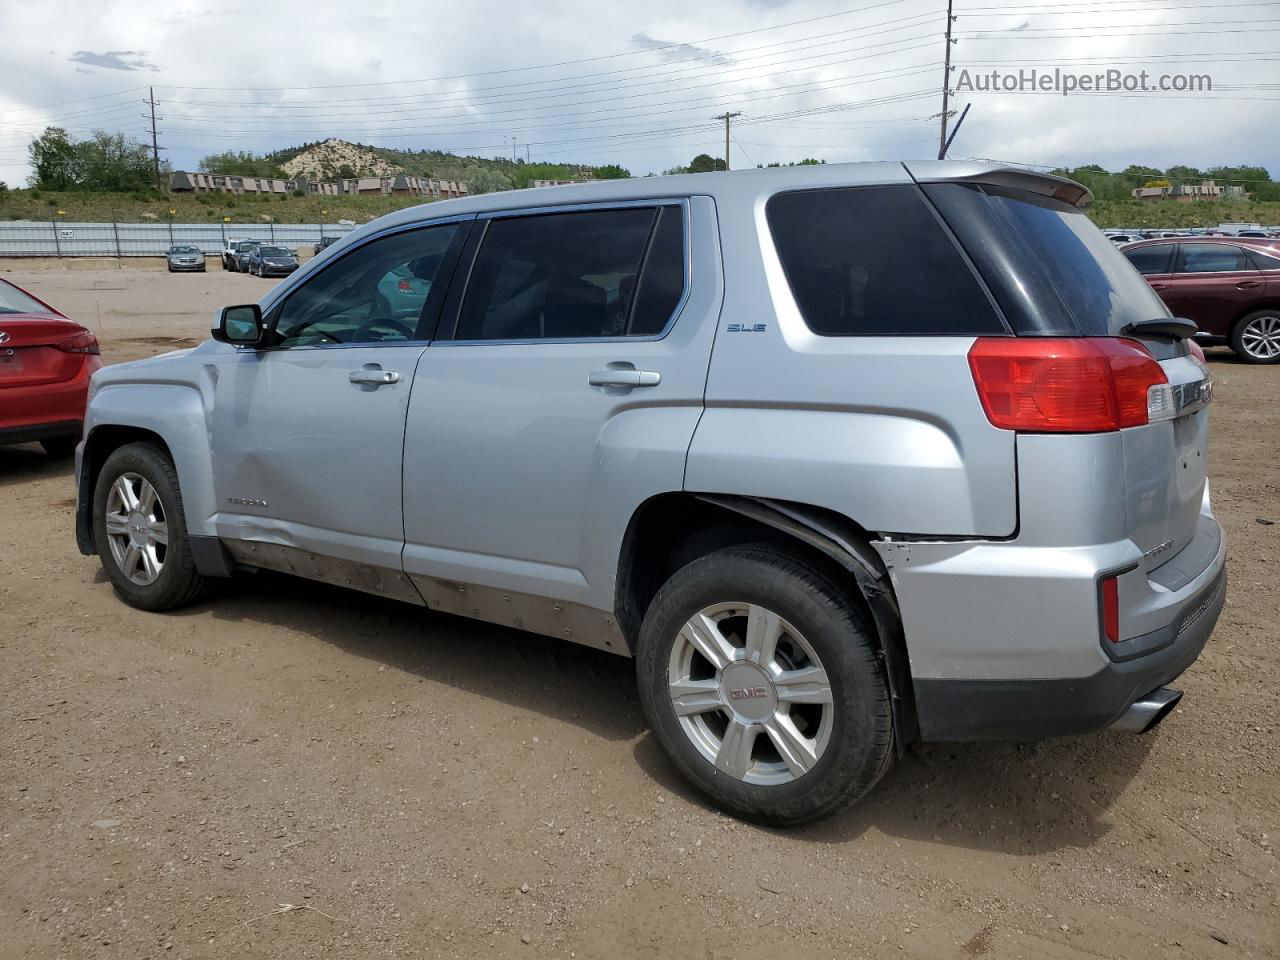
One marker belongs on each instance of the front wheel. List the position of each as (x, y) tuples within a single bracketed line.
[(141, 531), (761, 681), (1256, 337)]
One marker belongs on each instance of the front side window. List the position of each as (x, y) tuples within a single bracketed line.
[(1151, 260), (376, 293), (572, 276), (1211, 258), (875, 261)]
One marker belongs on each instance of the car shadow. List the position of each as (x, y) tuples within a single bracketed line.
[(27, 462), (567, 682), (1011, 798)]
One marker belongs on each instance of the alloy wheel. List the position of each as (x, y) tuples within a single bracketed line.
[(137, 529), (750, 693), (1260, 337)]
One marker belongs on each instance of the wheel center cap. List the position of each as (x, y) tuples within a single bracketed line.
[(139, 529), (748, 690)]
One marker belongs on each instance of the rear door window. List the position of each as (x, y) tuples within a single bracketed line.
[(579, 275), (1151, 260), (1264, 261), (864, 261), (1211, 258)]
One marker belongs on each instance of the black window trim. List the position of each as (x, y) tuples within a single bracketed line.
[(1178, 260), (271, 313), (997, 312), (451, 315)]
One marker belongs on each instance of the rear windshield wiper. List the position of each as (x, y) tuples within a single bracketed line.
[(1177, 327)]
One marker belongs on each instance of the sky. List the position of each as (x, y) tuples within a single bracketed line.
[(638, 84)]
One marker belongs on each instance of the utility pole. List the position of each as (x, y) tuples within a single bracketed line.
[(155, 146), (726, 117), (946, 84)]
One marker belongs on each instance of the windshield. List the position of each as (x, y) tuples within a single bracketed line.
[(246, 246), (1051, 270), (183, 250), (274, 252), (13, 300)]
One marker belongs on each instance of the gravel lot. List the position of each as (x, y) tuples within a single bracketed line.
[(414, 785)]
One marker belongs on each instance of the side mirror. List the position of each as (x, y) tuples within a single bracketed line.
[(241, 325)]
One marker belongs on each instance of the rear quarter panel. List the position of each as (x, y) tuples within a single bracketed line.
[(887, 431)]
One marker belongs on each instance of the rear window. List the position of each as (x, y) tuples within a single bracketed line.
[(867, 261), (1151, 260), (1051, 270), (1264, 261), (13, 300)]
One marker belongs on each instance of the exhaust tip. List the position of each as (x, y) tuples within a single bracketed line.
[(1144, 714)]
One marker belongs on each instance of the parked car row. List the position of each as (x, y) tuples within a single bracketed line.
[(263, 259)]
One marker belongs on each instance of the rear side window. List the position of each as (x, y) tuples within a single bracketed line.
[(875, 261), (574, 276), (1051, 270), (1151, 260), (1211, 258), (1264, 261)]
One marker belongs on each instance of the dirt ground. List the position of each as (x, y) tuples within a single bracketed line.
[(289, 770)]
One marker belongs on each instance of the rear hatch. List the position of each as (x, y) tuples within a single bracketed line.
[(1055, 275), (30, 353)]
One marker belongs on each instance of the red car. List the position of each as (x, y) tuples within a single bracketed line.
[(1229, 286), (45, 364)]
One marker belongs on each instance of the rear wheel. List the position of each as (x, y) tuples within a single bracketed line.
[(141, 531), (1256, 337), (761, 681)]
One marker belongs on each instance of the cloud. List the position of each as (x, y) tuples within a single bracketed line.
[(114, 59), (678, 51)]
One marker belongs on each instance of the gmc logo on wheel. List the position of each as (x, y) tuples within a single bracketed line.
[(748, 693)]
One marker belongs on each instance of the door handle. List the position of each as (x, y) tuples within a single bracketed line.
[(375, 377), (1159, 286), (624, 377), (1248, 284)]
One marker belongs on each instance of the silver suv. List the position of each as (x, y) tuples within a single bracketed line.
[(843, 456)]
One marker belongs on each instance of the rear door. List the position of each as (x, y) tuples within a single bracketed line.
[(562, 393), (1212, 284)]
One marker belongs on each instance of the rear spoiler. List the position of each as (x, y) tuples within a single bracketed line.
[(1014, 178)]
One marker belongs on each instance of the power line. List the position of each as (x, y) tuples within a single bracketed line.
[(563, 63)]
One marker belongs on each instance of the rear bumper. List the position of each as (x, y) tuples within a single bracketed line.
[(1035, 709), (32, 433), (46, 410)]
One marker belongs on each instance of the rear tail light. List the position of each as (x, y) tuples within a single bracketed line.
[(1109, 595), (1078, 385), (1196, 351), (81, 343)]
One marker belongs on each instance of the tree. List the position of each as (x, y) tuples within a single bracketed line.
[(243, 163), (1183, 173), (705, 163), (486, 180), (53, 160), (611, 171), (109, 161)]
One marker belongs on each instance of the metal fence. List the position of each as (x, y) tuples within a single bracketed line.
[(36, 238)]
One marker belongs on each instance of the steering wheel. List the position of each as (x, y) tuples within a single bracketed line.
[(366, 329)]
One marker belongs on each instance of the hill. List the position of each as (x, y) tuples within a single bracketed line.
[(331, 159)]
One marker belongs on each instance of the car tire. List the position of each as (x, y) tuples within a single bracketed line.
[(784, 776), (1255, 338), (60, 447), (170, 575)]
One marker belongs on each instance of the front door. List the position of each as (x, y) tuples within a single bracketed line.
[(308, 434), (563, 393)]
